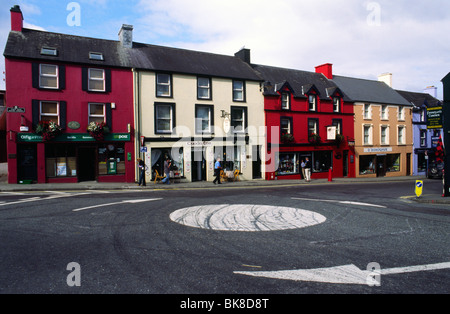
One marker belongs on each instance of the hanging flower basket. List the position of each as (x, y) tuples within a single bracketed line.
[(97, 130), (287, 138), (339, 139), (314, 138), (48, 130)]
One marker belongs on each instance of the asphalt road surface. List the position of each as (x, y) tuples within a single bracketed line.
[(308, 239)]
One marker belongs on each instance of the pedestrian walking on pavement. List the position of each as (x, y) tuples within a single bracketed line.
[(142, 169), (217, 168), (167, 165), (307, 170)]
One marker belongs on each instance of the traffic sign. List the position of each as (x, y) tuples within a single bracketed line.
[(419, 187)]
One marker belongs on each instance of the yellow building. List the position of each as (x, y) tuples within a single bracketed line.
[(383, 127)]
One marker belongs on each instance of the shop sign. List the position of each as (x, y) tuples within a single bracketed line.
[(378, 149), (73, 137), (199, 143), (434, 118)]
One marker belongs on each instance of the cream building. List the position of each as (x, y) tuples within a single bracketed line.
[(383, 127), (194, 107)]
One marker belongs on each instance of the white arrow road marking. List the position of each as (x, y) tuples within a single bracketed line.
[(340, 202), (347, 274), (116, 203)]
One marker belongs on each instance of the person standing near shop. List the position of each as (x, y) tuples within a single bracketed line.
[(217, 168), (307, 170), (142, 166), (167, 165), (303, 168)]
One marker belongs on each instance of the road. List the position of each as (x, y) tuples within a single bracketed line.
[(309, 239)]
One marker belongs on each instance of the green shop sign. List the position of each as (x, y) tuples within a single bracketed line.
[(73, 137)]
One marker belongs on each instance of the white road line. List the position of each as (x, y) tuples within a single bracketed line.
[(116, 203), (340, 202)]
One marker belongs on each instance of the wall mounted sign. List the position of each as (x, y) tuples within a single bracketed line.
[(74, 125), (434, 118), (73, 137)]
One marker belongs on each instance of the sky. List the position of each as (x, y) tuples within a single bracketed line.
[(361, 38)]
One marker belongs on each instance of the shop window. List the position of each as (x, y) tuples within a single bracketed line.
[(230, 156), (111, 159), (393, 163), (288, 164), (176, 156), (60, 161), (421, 162), (322, 161), (366, 164)]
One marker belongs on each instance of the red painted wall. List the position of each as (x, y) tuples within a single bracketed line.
[(300, 114), (20, 92)]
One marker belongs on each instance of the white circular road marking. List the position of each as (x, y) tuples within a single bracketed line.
[(240, 217)]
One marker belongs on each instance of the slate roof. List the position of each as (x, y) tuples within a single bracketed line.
[(363, 90), (298, 80), (75, 49), (419, 99)]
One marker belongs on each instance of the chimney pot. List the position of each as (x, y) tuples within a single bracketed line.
[(244, 55)]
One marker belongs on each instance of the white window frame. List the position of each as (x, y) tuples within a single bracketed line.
[(369, 135), (401, 114), (199, 121), (236, 129), (289, 125), (423, 137), (96, 56), (96, 115), (103, 79), (204, 87), (167, 85), (384, 112), (157, 118), (401, 135), (44, 114), (285, 101), (312, 102), (367, 111), (238, 90), (386, 135), (56, 75), (336, 104)]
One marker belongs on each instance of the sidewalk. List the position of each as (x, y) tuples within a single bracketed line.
[(93, 185)]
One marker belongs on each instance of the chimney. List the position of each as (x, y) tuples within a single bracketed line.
[(386, 78), (326, 69), (432, 90), (16, 19), (126, 36), (244, 55)]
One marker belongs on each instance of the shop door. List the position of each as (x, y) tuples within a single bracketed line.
[(256, 156), (381, 166), (345, 164), (27, 163), (198, 164), (87, 160)]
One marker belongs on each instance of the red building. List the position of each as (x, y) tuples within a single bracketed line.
[(56, 86), (307, 116)]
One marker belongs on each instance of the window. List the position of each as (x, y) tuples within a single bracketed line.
[(238, 91), (239, 119), (60, 160), (423, 113), (285, 101), (231, 156), (49, 111), (367, 164), (401, 114), (312, 99), (49, 51), (367, 135), (338, 124), (367, 111), (322, 161), (384, 113), (48, 76), (163, 85), (393, 163), (111, 152), (285, 126), (96, 113), (401, 135), (336, 104), (312, 127), (204, 119), (164, 118), (288, 164), (96, 80), (423, 138), (203, 88), (96, 56), (384, 135)]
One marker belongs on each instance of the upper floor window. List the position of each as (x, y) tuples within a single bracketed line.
[(49, 111), (164, 118), (203, 88), (336, 104), (367, 135), (384, 135), (338, 124), (239, 119), (285, 125), (163, 85), (285, 101), (312, 102), (367, 111), (96, 113), (49, 51), (384, 112), (48, 76), (313, 127), (401, 135), (96, 56), (423, 114), (204, 119), (238, 91), (401, 113), (423, 138), (96, 80)]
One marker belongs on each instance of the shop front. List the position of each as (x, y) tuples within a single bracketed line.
[(75, 157)]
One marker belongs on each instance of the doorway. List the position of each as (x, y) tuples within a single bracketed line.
[(256, 163), (345, 164), (381, 166), (27, 162), (87, 160), (198, 164)]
